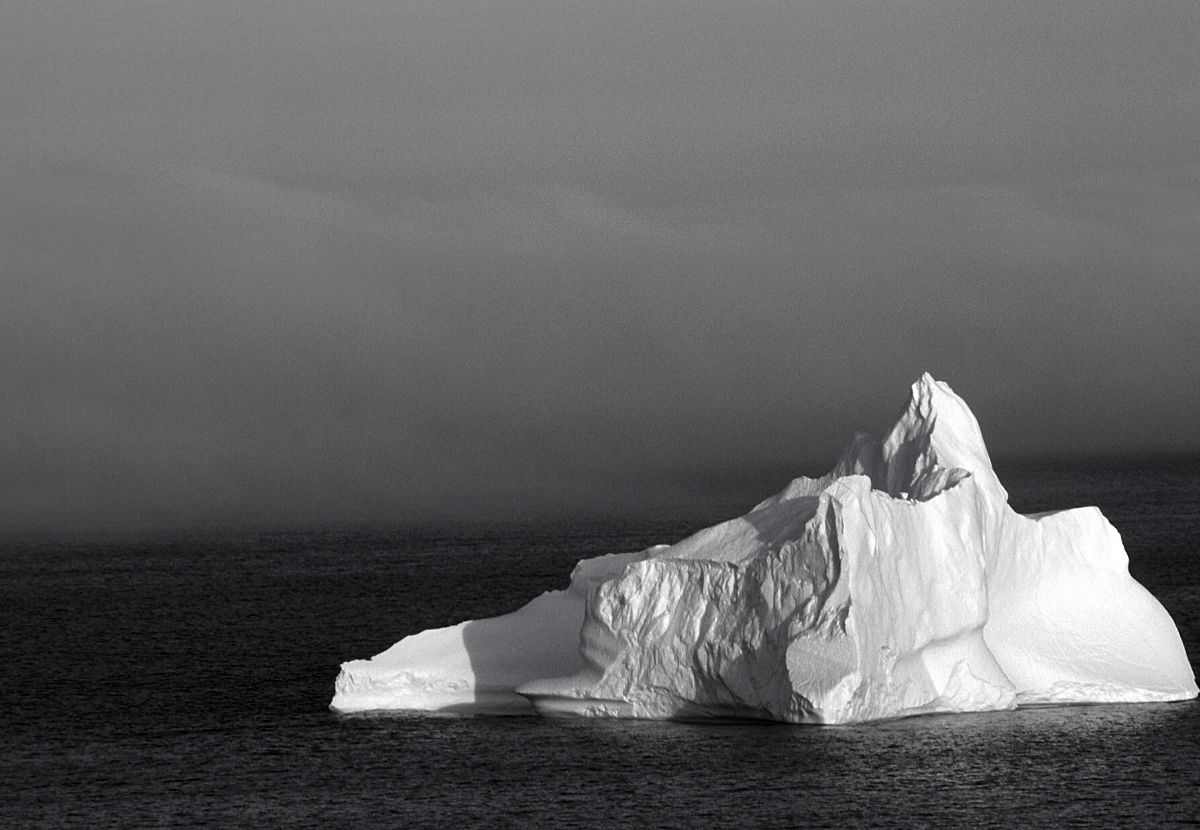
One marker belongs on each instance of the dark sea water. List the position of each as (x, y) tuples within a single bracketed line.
[(186, 682)]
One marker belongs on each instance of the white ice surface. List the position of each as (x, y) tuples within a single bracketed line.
[(899, 583)]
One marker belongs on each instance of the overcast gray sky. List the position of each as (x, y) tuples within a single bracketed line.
[(273, 262)]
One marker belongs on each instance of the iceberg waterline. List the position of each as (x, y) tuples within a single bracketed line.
[(899, 583)]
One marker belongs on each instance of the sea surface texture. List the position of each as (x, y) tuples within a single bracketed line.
[(186, 682)]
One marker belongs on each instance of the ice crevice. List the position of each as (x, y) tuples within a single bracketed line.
[(899, 583)]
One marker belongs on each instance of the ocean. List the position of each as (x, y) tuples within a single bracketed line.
[(185, 681)]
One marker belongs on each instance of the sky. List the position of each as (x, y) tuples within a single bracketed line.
[(269, 263)]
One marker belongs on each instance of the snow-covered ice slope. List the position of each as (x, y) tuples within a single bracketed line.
[(899, 583)]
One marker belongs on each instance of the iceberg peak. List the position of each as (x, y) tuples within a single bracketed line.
[(935, 443), (899, 583), (937, 429)]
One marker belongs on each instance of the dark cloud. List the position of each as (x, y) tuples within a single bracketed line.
[(276, 263)]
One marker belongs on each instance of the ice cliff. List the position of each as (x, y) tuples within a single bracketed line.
[(899, 583)]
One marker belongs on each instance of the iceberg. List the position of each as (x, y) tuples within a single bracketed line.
[(899, 583)]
